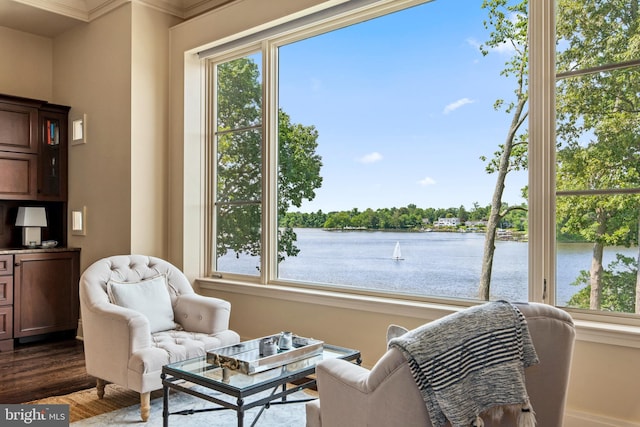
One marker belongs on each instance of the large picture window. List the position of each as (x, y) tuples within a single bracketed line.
[(385, 151)]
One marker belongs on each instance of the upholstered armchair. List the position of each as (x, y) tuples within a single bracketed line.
[(140, 313), (387, 395)]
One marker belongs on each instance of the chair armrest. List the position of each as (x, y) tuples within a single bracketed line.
[(343, 393), (354, 396), (111, 334), (197, 313), (343, 374), (121, 324), (358, 378)]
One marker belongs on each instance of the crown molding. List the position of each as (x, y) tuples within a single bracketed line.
[(76, 9), (88, 10)]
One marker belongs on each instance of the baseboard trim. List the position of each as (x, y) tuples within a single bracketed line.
[(585, 419)]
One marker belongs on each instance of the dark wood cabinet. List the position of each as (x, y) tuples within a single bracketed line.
[(45, 292), (6, 302), (19, 124), (38, 287), (33, 149), (52, 155), (18, 175)]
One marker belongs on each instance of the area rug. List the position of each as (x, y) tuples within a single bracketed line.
[(85, 403), (121, 407)]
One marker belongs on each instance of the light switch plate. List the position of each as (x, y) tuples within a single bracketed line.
[(78, 129), (79, 221)]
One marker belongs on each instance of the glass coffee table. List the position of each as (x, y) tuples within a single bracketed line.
[(231, 389)]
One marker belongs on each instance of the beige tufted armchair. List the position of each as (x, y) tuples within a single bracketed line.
[(128, 348), (387, 395)]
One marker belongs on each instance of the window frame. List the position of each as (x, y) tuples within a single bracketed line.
[(542, 162)]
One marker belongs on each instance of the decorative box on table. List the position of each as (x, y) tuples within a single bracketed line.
[(245, 356)]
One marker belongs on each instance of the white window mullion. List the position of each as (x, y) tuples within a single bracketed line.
[(270, 162), (542, 151)]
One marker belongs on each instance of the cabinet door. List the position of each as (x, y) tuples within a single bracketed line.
[(6, 265), (52, 176), (46, 292), (18, 175), (6, 290), (6, 326), (18, 128)]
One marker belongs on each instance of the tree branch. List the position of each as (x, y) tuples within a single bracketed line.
[(511, 209)]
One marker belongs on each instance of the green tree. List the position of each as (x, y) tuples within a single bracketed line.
[(618, 282), (599, 133), (463, 214), (239, 177), (508, 25), (298, 174)]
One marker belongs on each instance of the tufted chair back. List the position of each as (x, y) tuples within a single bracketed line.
[(131, 268), (119, 345)]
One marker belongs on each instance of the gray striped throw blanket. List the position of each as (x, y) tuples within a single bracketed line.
[(471, 363)]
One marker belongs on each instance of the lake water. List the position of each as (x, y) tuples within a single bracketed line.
[(436, 264)]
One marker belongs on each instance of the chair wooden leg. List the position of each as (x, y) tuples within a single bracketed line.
[(145, 405), (100, 384)]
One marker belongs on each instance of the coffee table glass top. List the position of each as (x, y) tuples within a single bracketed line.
[(199, 370)]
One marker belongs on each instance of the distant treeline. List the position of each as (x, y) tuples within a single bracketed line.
[(406, 218)]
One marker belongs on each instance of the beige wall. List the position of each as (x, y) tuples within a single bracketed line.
[(149, 127), (26, 67), (92, 74), (604, 377), (115, 70), (605, 380)]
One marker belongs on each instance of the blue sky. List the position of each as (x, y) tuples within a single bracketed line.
[(404, 109)]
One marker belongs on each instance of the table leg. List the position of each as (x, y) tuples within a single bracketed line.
[(165, 402), (240, 411)]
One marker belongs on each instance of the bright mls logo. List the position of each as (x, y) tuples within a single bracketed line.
[(34, 415)]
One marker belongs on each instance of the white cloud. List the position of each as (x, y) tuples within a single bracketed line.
[(427, 181), (473, 43), (370, 158), (505, 48), (457, 104)]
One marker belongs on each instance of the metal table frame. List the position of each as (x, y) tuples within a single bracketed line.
[(173, 376)]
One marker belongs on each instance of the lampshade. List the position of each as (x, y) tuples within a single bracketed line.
[(31, 217)]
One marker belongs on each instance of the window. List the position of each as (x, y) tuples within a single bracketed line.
[(372, 138), (363, 153), (598, 154), (238, 158)]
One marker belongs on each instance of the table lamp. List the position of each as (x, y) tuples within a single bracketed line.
[(32, 219)]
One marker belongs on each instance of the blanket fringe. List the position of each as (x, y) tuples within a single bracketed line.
[(478, 422), (527, 417)]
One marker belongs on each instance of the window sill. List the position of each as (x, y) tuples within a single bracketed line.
[(587, 331)]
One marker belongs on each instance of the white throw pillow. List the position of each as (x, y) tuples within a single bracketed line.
[(149, 297)]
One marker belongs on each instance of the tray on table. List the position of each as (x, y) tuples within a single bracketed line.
[(245, 356)]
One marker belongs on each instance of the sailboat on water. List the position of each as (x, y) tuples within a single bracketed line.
[(397, 255)]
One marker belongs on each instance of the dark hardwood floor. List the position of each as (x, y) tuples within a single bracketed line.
[(41, 369)]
